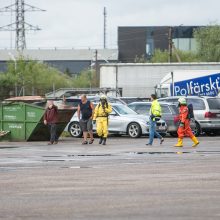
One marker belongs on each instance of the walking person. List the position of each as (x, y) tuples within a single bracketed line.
[(155, 115), (184, 125), (102, 111), (50, 119), (85, 114)]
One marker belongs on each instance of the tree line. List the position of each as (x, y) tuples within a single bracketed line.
[(29, 77)]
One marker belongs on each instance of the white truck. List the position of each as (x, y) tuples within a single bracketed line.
[(189, 83)]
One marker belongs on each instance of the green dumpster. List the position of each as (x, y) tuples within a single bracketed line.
[(24, 122)]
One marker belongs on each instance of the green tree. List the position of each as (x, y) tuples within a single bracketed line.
[(208, 43), (141, 59), (67, 72), (159, 56), (6, 85), (185, 56), (85, 79), (37, 78)]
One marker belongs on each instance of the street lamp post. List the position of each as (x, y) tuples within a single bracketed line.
[(170, 42)]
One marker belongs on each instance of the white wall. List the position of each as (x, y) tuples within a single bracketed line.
[(108, 76), (140, 79)]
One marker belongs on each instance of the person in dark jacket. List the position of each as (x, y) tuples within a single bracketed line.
[(50, 119), (85, 115)]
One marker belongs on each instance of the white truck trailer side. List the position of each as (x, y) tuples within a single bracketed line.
[(190, 82), (140, 79)]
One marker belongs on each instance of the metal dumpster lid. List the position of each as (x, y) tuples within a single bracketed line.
[(4, 133), (26, 98)]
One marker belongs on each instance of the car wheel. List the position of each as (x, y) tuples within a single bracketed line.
[(134, 130), (75, 129), (197, 129)]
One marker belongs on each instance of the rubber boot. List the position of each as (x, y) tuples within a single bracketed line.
[(100, 140), (104, 141), (179, 143), (195, 141)]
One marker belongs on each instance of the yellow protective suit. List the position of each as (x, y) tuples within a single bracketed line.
[(101, 117)]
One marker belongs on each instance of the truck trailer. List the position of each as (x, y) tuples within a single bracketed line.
[(189, 83), (140, 79)]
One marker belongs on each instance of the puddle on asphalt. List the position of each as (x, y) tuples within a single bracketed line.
[(91, 155), (77, 167), (105, 155), (55, 160), (158, 153), (209, 152), (1, 148)]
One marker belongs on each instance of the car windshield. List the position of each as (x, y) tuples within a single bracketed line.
[(141, 108), (124, 110), (214, 103), (172, 100), (72, 102), (110, 100), (198, 104), (174, 109)]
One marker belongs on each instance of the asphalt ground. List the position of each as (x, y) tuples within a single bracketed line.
[(123, 180)]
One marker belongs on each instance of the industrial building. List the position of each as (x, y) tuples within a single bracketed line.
[(140, 80), (142, 41), (71, 61)]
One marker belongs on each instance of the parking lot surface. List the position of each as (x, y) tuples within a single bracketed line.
[(123, 180)]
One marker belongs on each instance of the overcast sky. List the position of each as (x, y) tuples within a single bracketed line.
[(79, 23)]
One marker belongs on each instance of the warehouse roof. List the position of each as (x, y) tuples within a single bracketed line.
[(61, 54)]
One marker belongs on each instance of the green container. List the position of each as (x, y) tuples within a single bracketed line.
[(25, 122)]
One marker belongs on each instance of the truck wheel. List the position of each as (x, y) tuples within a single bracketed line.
[(75, 129)]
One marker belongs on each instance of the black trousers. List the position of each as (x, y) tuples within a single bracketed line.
[(53, 132)]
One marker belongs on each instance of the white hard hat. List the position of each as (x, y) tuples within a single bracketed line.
[(182, 101), (103, 97)]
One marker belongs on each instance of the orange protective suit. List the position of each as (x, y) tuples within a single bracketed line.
[(185, 129)]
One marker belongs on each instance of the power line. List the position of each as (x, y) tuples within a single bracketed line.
[(20, 26)]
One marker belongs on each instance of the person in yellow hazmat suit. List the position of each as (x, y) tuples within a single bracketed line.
[(101, 113)]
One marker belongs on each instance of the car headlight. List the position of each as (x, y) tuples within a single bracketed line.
[(144, 123)]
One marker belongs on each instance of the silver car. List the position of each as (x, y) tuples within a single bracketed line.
[(122, 120), (169, 113), (206, 112)]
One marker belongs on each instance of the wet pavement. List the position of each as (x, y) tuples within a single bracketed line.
[(122, 180)]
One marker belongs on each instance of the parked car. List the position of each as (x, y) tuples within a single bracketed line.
[(74, 101), (206, 111), (96, 99), (122, 120), (129, 100), (169, 114)]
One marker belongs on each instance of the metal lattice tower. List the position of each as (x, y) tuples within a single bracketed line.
[(20, 26)]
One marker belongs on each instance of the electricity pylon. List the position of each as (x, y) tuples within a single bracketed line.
[(20, 26)]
